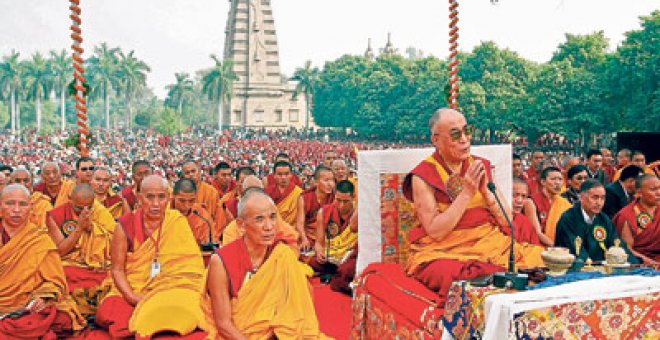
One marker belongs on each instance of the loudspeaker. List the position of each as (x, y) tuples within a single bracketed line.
[(647, 142)]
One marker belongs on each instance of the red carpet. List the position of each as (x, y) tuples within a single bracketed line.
[(333, 311)]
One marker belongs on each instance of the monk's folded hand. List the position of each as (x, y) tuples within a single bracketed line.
[(304, 244), (473, 177), (36, 305), (84, 220), (320, 254)]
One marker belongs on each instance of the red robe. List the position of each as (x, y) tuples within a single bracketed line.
[(645, 232), (543, 206), (129, 196), (525, 232), (270, 179), (312, 207), (236, 261), (231, 186)]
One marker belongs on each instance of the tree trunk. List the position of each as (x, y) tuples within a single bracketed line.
[(220, 114), (63, 108), (12, 108), (306, 113), (18, 114), (180, 109), (37, 104), (106, 104), (129, 115)]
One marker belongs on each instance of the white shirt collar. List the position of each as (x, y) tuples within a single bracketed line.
[(589, 220)]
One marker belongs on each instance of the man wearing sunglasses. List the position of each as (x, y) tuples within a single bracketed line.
[(84, 170), (459, 219)]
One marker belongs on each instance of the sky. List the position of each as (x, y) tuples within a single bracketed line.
[(179, 35)]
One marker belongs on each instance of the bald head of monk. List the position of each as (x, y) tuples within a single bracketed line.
[(648, 189), (82, 198), (185, 195), (51, 175), (450, 134), (190, 170), (21, 176), (252, 181), (14, 207), (257, 218), (154, 197)]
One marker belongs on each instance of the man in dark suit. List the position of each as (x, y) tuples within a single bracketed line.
[(594, 163), (621, 192)]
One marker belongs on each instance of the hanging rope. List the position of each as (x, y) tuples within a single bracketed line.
[(78, 74), (453, 54)]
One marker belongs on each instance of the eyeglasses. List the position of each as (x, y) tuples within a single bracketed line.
[(580, 178), (91, 168), (455, 134)]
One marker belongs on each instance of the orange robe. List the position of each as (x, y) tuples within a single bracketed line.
[(276, 302), (207, 196), (312, 207), (86, 266), (40, 208), (62, 196), (200, 225), (549, 213), (285, 232), (475, 238), (286, 201), (30, 267), (115, 205), (168, 297), (645, 231)]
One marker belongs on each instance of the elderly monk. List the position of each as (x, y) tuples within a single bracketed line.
[(545, 207), (309, 203), (285, 232), (52, 184), (82, 229), (458, 235), (256, 288), (207, 196), (525, 232), (157, 270), (139, 171), (222, 181), (341, 172), (39, 202), (638, 223), (336, 237), (32, 284), (185, 201), (101, 181), (587, 221), (271, 178), (285, 194)]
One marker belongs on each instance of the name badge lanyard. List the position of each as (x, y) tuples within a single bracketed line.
[(155, 264)]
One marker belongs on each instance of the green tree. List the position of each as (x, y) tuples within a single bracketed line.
[(217, 84), (179, 92), (307, 78), (38, 77), (133, 80), (583, 51), (10, 80), (60, 64), (104, 75)]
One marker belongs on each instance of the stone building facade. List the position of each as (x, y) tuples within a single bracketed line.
[(261, 97)]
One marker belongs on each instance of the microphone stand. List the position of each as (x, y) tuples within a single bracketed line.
[(509, 279), (210, 245)]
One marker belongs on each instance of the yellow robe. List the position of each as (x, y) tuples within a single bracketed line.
[(65, 192), (342, 243), (168, 302), (559, 206), (40, 207), (288, 207), (275, 303), (285, 232), (30, 268), (207, 196), (93, 248), (485, 242)]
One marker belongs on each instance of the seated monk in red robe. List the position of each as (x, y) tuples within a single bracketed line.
[(459, 219), (157, 270), (100, 182), (139, 170), (638, 223), (311, 201), (199, 220), (82, 229), (33, 288), (524, 231)]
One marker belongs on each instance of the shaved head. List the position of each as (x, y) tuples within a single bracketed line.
[(154, 181), (252, 181), (11, 188), (50, 165), (439, 114), (82, 190), (21, 176)]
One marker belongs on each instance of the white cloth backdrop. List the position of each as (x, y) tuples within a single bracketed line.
[(371, 164)]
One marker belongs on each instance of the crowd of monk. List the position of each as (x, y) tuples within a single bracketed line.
[(76, 255)]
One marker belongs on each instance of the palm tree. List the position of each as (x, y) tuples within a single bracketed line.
[(307, 78), (38, 77), (217, 84), (180, 91), (10, 79), (132, 79), (60, 64), (103, 75)]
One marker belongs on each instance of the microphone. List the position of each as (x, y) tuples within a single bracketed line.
[(510, 279), (210, 245)]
